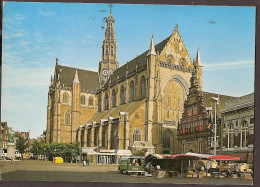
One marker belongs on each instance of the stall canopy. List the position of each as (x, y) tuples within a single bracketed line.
[(223, 157)]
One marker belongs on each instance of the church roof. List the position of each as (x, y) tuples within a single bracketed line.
[(141, 60), (88, 79), (114, 112)]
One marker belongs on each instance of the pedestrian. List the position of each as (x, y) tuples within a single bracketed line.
[(84, 163)]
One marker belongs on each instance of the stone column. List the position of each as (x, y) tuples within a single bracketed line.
[(100, 132), (126, 122), (79, 136), (86, 136), (121, 131), (109, 132), (93, 133)]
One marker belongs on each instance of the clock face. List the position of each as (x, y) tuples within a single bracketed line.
[(105, 72)]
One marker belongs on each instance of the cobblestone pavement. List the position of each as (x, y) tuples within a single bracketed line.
[(33, 170)]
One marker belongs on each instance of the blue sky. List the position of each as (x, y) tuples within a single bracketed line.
[(34, 34)]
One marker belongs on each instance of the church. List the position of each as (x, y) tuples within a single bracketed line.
[(129, 107)]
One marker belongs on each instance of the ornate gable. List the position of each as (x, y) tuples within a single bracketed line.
[(175, 51)]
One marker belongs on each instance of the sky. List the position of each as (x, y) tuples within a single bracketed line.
[(34, 34)]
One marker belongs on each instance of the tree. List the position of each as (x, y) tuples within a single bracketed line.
[(36, 148), (21, 145)]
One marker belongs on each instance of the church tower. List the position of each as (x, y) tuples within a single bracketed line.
[(109, 63)]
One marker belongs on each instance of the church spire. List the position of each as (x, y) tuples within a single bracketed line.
[(152, 48), (76, 78), (109, 63), (198, 59)]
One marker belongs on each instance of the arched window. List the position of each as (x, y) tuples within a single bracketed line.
[(106, 50), (243, 134), (67, 118), (112, 50), (82, 99), (65, 98), (90, 101), (114, 96), (168, 102), (230, 135), (132, 91), (106, 102), (166, 139), (143, 87), (137, 135), (122, 95)]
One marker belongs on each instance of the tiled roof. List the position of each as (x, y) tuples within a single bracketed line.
[(114, 112), (88, 79), (141, 60)]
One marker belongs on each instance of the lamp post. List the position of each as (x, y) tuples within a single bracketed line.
[(215, 125)]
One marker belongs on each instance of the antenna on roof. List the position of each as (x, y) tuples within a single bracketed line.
[(110, 5)]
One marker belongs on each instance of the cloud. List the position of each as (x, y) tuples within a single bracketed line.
[(19, 77), (47, 13), (13, 18), (229, 65), (13, 33)]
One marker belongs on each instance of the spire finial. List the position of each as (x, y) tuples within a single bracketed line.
[(57, 60), (198, 59), (176, 27), (76, 78), (110, 5), (152, 48)]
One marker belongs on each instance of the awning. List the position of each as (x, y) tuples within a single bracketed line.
[(199, 155), (88, 150), (124, 152), (223, 157)]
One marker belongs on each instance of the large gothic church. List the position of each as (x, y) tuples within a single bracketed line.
[(133, 106)]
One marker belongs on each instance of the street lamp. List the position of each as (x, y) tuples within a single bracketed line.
[(215, 125)]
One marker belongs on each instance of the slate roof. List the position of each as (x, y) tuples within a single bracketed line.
[(140, 59), (114, 112), (88, 79)]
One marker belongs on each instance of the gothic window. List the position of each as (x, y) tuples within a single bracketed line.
[(65, 97), (166, 139), (132, 91), (67, 118), (90, 101), (231, 135), (114, 96), (137, 135), (243, 134), (112, 50), (82, 99), (143, 87), (106, 102), (122, 95), (106, 50), (168, 102)]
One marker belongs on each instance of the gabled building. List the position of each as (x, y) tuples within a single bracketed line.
[(196, 127)]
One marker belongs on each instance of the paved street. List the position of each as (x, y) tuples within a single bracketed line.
[(32, 170)]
